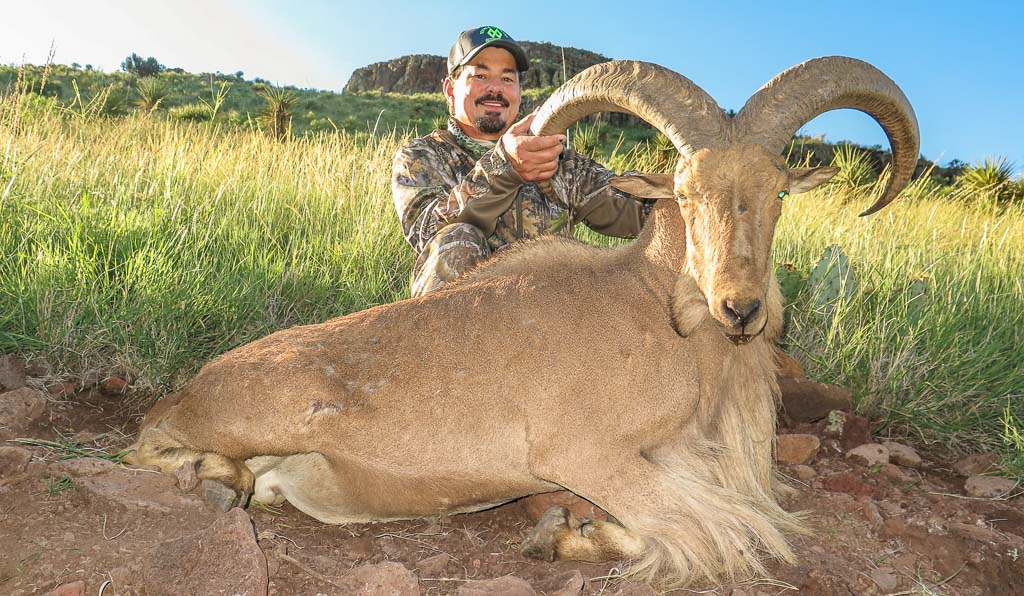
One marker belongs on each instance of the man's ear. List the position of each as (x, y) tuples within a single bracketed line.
[(804, 179), (646, 186)]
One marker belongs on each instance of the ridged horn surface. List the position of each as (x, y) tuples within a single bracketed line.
[(777, 111), (670, 102)]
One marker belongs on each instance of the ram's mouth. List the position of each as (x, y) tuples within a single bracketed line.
[(744, 338)]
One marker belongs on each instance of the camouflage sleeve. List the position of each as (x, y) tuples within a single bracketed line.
[(603, 208), (428, 194)]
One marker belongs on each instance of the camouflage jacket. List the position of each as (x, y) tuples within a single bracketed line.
[(436, 182)]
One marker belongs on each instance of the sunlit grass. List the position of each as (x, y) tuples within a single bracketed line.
[(147, 246)]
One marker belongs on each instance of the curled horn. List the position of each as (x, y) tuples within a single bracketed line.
[(670, 102), (777, 111)]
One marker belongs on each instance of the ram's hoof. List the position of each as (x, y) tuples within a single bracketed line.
[(221, 496), (542, 541)]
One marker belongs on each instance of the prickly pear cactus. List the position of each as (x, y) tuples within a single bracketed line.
[(832, 279)]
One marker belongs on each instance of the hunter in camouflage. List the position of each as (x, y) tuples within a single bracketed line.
[(462, 194)]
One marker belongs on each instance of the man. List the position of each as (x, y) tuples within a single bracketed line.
[(465, 192)]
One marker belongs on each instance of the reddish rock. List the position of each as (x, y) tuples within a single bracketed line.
[(12, 373), (389, 578), (989, 487), (537, 505), (807, 401), (20, 408), (902, 454), (804, 473), (849, 484), (72, 589), (133, 489), (503, 586), (564, 584), (114, 385), (849, 429), (885, 578), (62, 389), (433, 566), (979, 463), (222, 559), (869, 454), (796, 448), (789, 367), (13, 460), (869, 511), (894, 473)]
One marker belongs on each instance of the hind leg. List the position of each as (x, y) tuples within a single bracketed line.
[(157, 448)]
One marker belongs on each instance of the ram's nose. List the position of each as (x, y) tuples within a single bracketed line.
[(741, 311)]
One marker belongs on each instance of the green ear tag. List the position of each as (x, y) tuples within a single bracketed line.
[(783, 194)]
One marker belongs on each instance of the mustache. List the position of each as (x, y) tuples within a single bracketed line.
[(493, 97)]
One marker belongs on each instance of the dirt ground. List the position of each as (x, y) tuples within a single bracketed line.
[(877, 529)]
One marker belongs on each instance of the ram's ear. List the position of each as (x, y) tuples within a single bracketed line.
[(804, 179), (646, 186)]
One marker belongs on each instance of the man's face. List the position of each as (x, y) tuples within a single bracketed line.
[(485, 97)]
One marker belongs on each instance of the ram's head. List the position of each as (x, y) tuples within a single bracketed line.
[(731, 181)]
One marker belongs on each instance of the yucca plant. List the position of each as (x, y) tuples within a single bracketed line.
[(276, 117), (586, 140), (855, 167), (990, 177), (192, 112), (152, 91)]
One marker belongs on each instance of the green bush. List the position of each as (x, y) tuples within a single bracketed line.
[(192, 112)]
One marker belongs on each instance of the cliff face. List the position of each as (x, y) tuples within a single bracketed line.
[(423, 73)]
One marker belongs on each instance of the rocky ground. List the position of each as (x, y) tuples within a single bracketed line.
[(884, 519)]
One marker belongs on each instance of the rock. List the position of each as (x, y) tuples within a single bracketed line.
[(130, 488), (72, 589), (20, 408), (803, 473), (902, 454), (886, 579), (503, 586), (894, 472), (186, 477), (978, 463), (221, 559), (114, 385), (789, 367), (220, 496), (537, 505), (564, 584), (629, 588), (869, 454), (849, 484), (62, 389), (807, 401), (870, 513), (390, 578), (796, 448), (849, 429), (433, 566), (988, 487), (12, 373), (13, 460)]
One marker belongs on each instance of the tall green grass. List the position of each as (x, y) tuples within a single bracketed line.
[(148, 246)]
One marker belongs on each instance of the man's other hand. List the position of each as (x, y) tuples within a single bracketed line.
[(534, 158)]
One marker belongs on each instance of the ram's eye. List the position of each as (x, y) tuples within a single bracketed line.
[(680, 197), (782, 194)]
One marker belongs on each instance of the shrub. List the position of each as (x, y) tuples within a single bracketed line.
[(855, 167), (192, 112), (990, 177), (151, 92)]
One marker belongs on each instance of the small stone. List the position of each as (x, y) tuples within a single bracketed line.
[(20, 408), (894, 473), (12, 373), (849, 484), (789, 367), (503, 586), (114, 385), (979, 533), (537, 505), (902, 454), (69, 537), (72, 589), (433, 566), (389, 578), (796, 449), (871, 513), (989, 487), (851, 430), (186, 477), (13, 460), (885, 578), (870, 454), (221, 559), (564, 584), (218, 495), (62, 389), (979, 463), (807, 401), (803, 473)]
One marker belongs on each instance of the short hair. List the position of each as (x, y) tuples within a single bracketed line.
[(457, 72)]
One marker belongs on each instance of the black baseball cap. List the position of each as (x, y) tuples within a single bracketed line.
[(472, 41)]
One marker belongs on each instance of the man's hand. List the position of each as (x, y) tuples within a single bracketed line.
[(534, 158)]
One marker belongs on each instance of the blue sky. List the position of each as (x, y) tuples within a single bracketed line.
[(960, 65)]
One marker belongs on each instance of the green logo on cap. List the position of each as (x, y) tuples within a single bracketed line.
[(492, 33)]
